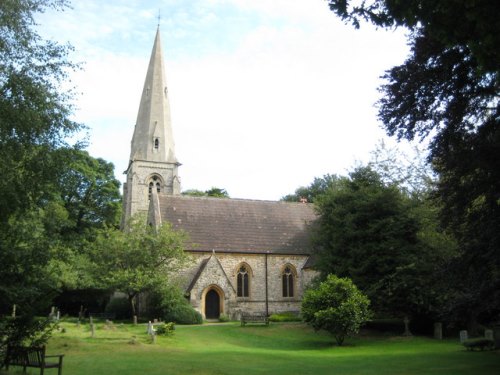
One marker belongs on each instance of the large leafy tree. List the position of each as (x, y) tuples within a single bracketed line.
[(374, 234), (319, 186), (34, 125), (448, 90), (139, 259)]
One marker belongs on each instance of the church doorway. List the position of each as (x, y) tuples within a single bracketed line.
[(212, 304)]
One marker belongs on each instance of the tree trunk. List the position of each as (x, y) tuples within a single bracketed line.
[(131, 298)]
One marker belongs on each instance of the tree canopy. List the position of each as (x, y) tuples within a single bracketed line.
[(383, 240), (447, 90), (337, 306), (139, 259)]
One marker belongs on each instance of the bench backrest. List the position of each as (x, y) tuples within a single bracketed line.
[(26, 355)]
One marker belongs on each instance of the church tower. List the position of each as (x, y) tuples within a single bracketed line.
[(152, 163)]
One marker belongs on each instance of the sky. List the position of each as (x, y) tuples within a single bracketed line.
[(264, 95)]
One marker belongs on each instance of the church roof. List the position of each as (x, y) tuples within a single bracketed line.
[(239, 225)]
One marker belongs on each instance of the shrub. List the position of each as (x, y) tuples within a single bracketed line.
[(223, 318), (288, 316), (169, 304), (165, 329), (479, 343), (120, 307), (336, 306), (184, 314)]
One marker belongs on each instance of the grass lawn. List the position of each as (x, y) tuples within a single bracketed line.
[(281, 348)]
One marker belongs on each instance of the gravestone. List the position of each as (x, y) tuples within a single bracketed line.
[(407, 327), (14, 311), (52, 313), (463, 336), (92, 330), (488, 334), (150, 329), (135, 320), (58, 315), (438, 331)]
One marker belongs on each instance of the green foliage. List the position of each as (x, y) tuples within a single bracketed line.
[(479, 343), (184, 313), (165, 329), (138, 259), (285, 317), (336, 306), (371, 233), (168, 302), (212, 192), (24, 330), (310, 193), (223, 318), (447, 90), (120, 307)]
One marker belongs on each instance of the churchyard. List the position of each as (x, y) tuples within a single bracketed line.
[(280, 348)]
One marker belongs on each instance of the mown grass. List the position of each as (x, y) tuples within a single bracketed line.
[(281, 348)]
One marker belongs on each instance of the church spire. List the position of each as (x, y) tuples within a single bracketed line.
[(152, 165), (153, 139)]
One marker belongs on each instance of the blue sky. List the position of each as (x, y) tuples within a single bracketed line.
[(265, 95)]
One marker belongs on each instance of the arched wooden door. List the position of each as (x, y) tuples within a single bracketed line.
[(212, 305)]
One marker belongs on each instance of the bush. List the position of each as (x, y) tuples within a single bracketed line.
[(479, 343), (165, 329), (336, 306), (288, 316), (120, 307), (223, 318), (169, 304), (184, 314)]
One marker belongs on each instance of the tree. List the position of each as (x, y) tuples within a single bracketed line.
[(374, 234), (212, 192), (89, 191), (336, 306), (447, 90), (139, 259), (310, 193), (34, 125)]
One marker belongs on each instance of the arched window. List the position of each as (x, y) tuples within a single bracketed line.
[(242, 282), (287, 278), (154, 182)]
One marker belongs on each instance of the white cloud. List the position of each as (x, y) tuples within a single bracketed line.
[(276, 100)]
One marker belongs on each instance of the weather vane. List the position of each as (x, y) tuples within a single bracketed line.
[(159, 17)]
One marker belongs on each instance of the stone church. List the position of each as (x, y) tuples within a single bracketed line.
[(249, 256)]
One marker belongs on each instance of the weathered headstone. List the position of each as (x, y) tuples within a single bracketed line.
[(14, 311), (91, 320), (463, 336), (407, 327), (155, 320), (488, 334), (135, 320), (92, 330), (150, 328), (52, 313), (58, 315), (438, 331), (80, 313), (496, 335)]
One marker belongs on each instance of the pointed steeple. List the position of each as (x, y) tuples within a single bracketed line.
[(152, 165), (153, 139)]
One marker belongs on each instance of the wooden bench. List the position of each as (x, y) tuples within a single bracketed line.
[(31, 357), (254, 318)]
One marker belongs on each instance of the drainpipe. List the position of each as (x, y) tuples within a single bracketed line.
[(267, 300)]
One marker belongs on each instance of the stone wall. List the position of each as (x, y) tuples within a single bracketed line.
[(219, 272)]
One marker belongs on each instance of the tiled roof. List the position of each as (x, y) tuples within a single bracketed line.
[(238, 225)]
